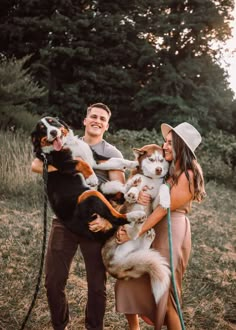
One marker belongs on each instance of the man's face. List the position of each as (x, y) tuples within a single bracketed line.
[(96, 122)]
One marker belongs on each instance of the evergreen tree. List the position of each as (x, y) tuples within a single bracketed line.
[(18, 95), (150, 61)]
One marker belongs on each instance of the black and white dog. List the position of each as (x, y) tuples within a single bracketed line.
[(71, 198)]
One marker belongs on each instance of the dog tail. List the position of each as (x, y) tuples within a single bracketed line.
[(149, 261), (160, 277)]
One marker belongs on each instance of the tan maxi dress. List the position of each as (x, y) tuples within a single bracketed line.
[(135, 297)]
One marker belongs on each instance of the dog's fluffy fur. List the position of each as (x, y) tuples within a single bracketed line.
[(70, 197), (135, 258)]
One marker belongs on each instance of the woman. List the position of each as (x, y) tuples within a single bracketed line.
[(134, 297)]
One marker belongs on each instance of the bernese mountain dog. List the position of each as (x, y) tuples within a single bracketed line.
[(69, 188)]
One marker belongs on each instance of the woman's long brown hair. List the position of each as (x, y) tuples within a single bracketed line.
[(187, 161)]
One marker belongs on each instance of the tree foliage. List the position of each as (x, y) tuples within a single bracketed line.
[(150, 61), (18, 94)]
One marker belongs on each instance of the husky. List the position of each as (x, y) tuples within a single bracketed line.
[(135, 258)]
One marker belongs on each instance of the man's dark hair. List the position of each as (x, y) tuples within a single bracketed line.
[(101, 106)]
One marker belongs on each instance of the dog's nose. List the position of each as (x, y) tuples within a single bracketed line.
[(158, 170), (53, 133)]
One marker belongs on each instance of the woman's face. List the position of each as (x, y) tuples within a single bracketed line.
[(168, 147)]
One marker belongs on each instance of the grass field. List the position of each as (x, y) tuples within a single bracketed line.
[(209, 295)]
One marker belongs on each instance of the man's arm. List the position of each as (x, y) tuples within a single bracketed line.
[(101, 224), (116, 175), (37, 166)]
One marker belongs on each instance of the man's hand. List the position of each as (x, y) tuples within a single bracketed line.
[(121, 235), (99, 224), (37, 166)]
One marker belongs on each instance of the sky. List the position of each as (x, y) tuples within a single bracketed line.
[(231, 45)]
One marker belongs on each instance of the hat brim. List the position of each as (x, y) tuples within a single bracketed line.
[(165, 129)]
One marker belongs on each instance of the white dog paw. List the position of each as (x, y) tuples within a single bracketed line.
[(130, 197), (138, 217), (92, 181), (147, 238), (150, 235), (112, 187), (164, 195)]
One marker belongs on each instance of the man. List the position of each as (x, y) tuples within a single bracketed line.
[(63, 244)]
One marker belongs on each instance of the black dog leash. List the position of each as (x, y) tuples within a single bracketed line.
[(45, 179)]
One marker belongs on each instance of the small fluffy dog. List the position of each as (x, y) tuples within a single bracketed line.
[(70, 197), (135, 258)]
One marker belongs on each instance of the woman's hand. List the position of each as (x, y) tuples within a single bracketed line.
[(121, 236), (99, 224), (144, 198)]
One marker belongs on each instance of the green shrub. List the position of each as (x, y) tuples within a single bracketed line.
[(16, 156), (17, 118), (126, 140), (217, 155)]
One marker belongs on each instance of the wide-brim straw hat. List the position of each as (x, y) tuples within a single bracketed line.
[(186, 132)]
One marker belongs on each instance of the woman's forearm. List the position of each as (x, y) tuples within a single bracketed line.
[(179, 196), (153, 219)]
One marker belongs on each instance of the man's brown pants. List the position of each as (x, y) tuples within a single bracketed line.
[(62, 247)]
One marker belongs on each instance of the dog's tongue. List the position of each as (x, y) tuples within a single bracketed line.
[(57, 144)]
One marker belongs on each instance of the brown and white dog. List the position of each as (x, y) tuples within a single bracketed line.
[(70, 197), (149, 174), (135, 258)]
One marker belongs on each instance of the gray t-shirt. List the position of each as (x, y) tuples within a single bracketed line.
[(105, 149)]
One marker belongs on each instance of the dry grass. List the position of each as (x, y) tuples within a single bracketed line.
[(15, 173), (210, 282), (209, 286)]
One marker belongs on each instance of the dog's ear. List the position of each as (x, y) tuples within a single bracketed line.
[(34, 138), (36, 143), (138, 152), (63, 123), (162, 149)]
